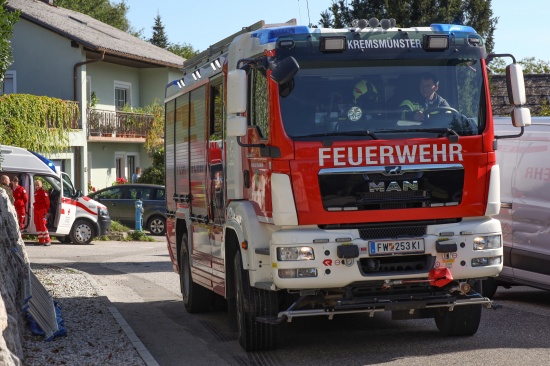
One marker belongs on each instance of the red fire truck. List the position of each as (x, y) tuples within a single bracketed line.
[(318, 172)]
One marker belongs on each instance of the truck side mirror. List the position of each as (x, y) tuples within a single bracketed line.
[(236, 92), (521, 117), (515, 84), (236, 126), (285, 70)]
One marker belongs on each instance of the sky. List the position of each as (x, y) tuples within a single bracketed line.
[(520, 28)]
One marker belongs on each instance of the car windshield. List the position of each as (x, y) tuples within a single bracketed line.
[(385, 101)]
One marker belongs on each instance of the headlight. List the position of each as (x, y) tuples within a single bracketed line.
[(103, 212), (487, 242), (295, 254)]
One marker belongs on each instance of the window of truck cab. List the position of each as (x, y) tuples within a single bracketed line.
[(258, 102), (325, 92)]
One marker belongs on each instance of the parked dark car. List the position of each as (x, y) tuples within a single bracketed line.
[(121, 203)]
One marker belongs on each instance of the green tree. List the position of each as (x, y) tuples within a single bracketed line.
[(102, 10), (529, 65), (155, 173), (7, 22), (408, 13), (184, 50), (159, 37)]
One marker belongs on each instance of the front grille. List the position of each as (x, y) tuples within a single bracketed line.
[(392, 232), (368, 189), (396, 264)]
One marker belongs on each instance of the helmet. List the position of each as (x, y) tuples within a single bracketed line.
[(365, 90)]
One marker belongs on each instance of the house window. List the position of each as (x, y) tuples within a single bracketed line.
[(122, 94), (9, 85)]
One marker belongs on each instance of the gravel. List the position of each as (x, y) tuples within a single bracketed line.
[(93, 336)]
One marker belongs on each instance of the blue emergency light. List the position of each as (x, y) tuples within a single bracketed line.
[(269, 35), (45, 160)]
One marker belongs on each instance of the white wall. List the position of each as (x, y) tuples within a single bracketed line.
[(44, 61)]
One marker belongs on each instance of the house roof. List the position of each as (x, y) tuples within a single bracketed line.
[(95, 36)]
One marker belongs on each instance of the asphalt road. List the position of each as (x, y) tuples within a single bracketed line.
[(138, 279)]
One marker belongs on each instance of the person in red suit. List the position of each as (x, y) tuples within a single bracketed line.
[(41, 207), (20, 202)]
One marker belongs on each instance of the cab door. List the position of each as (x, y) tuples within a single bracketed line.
[(66, 206)]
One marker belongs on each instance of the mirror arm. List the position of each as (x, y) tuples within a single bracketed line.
[(490, 57), (248, 145), (510, 136)]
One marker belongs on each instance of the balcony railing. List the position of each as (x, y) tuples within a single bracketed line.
[(118, 124)]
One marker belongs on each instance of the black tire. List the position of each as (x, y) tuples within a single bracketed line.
[(157, 225), (64, 239), (196, 299), (462, 321), (82, 232), (489, 287), (250, 304)]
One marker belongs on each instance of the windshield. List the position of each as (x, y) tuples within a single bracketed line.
[(386, 100)]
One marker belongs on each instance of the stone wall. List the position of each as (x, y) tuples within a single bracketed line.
[(13, 265), (537, 89)]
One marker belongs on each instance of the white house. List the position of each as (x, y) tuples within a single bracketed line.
[(68, 55)]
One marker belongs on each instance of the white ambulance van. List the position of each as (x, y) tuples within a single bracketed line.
[(525, 204), (72, 217)]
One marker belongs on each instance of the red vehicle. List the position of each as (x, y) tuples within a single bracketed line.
[(304, 178)]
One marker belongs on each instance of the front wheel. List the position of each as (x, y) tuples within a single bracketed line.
[(489, 287), (462, 321), (252, 303), (82, 232)]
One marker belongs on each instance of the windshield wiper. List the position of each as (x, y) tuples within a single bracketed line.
[(443, 131), (343, 133)]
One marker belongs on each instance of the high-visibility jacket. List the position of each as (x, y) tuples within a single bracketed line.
[(20, 199), (41, 200), (410, 105)]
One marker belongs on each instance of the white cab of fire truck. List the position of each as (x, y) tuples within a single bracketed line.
[(337, 185), (72, 217)]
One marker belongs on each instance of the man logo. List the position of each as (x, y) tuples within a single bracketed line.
[(392, 170)]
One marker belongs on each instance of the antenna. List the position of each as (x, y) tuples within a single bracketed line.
[(308, 18)]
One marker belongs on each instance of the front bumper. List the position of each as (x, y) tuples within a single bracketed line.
[(334, 271)]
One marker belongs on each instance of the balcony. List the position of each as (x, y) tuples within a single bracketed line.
[(106, 125)]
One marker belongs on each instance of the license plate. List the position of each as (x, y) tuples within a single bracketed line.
[(396, 247)]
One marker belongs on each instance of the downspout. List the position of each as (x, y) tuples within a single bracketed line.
[(76, 66)]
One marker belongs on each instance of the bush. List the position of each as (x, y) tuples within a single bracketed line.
[(155, 173)]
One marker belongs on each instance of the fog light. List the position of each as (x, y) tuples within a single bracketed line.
[(298, 273), (487, 242), (486, 261), (287, 273), (295, 254)]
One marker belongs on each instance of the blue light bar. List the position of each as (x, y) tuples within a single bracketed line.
[(448, 28), (45, 160), (269, 35)]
